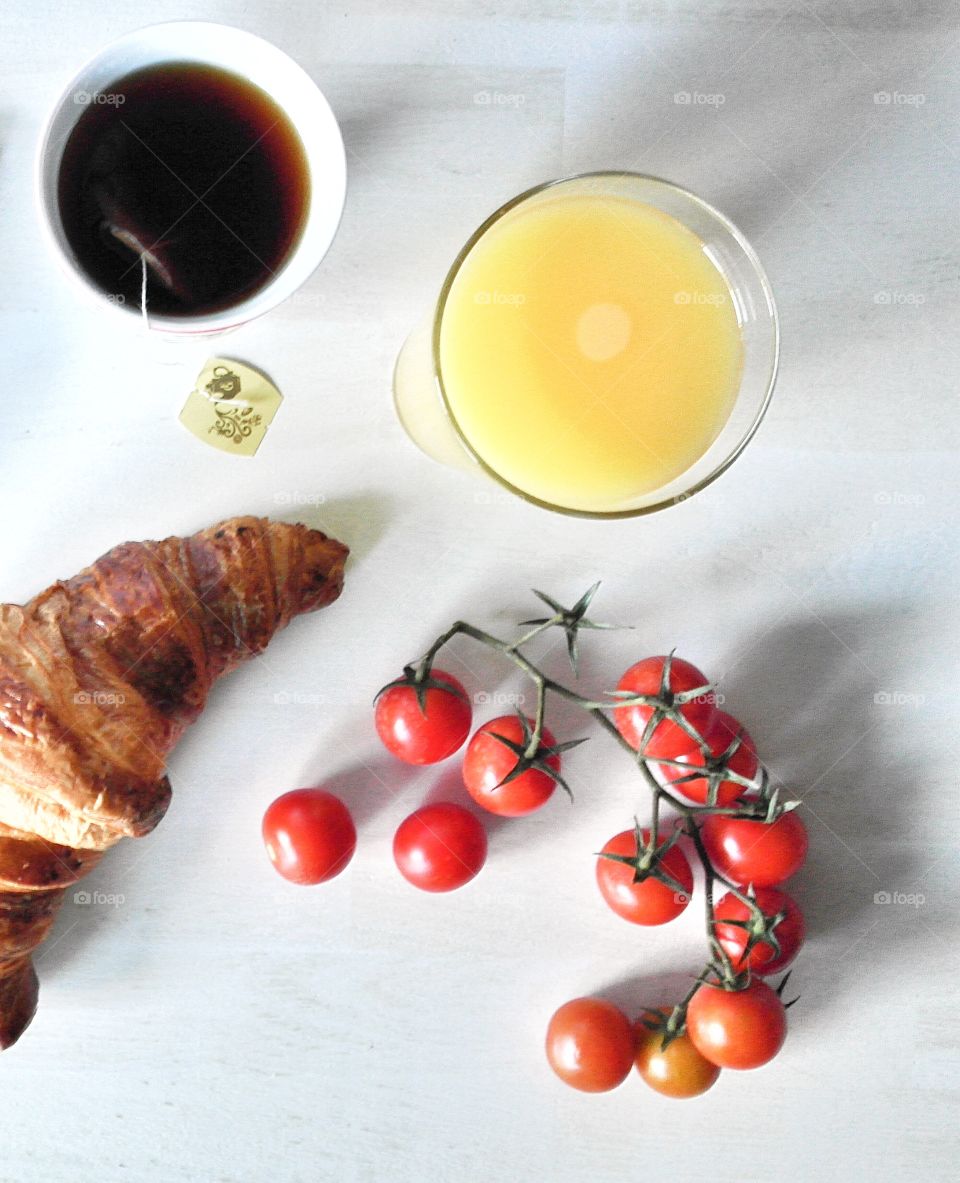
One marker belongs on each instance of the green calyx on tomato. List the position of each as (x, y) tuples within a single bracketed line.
[(662, 704), (667, 1021), (720, 769), (644, 879), (650, 860), (780, 989), (420, 681), (423, 717), (532, 753), (761, 930)]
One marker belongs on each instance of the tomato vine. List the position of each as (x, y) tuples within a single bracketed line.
[(757, 798)]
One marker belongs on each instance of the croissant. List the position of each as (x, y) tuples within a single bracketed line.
[(99, 677)]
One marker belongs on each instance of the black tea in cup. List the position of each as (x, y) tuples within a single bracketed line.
[(190, 176)]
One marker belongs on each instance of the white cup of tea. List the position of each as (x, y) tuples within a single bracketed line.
[(249, 59)]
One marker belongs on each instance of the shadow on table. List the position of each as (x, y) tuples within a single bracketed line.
[(817, 701), (358, 521), (634, 992)]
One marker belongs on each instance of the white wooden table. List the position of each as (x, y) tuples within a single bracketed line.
[(213, 1023)]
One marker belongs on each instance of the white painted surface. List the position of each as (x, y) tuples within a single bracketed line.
[(220, 1025)]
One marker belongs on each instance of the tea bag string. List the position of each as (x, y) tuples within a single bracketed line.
[(235, 400), (143, 290)]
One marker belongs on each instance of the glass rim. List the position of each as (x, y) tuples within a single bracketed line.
[(757, 268)]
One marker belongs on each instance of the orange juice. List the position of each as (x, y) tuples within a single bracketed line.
[(589, 349)]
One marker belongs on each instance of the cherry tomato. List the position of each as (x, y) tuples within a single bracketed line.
[(309, 835), (440, 847), (668, 739), (488, 762), (677, 1070), (757, 852), (590, 1045), (430, 735), (737, 1028), (762, 958), (650, 901), (722, 732)]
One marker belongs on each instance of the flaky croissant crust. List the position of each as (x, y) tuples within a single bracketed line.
[(99, 676)]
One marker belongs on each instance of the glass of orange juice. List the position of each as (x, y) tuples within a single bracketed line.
[(604, 345)]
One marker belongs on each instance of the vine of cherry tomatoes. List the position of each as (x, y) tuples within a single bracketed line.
[(697, 760)]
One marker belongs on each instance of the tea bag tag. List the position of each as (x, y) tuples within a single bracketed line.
[(230, 407)]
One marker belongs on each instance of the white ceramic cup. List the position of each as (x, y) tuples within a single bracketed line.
[(267, 67)]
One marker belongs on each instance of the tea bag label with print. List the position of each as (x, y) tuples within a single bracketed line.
[(231, 407)]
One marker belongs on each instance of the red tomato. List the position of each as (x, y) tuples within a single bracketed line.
[(590, 1045), (762, 959), (488, 762), (648, 902), (668, 739), (429, 735), (309, 835), (757, 852), (722, 732), (677, 1070), (737, 1028), (440, 847)]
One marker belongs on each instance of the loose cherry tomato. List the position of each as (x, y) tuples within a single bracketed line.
[(488, 762), (590, 1045), (309, 835), (677, 1070), (737, 1028), (762, 958), (650, 901), (429, 735), (722, 732), (757, 852), (668, 739), (440, 847)]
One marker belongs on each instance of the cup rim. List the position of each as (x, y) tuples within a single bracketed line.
[(755, 264), (284, 282)]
